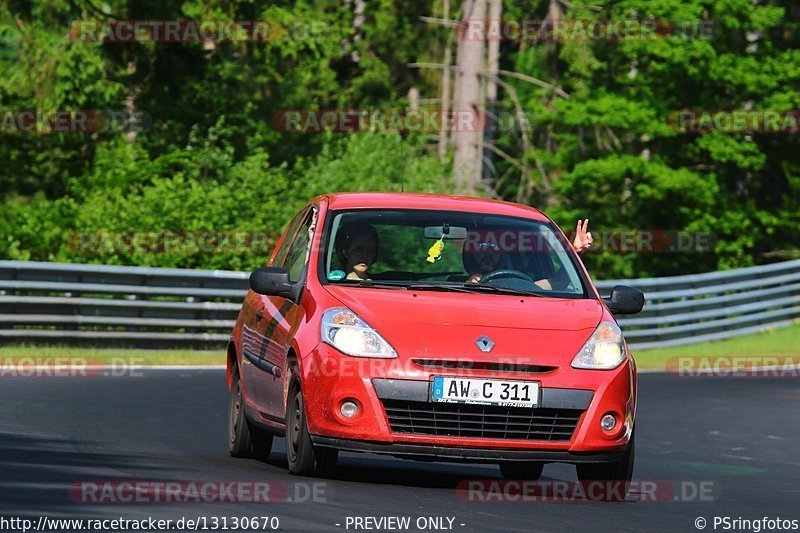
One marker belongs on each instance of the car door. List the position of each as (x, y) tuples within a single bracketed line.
[(277, 319), (257, 369)]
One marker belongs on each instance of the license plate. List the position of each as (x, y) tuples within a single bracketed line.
[(501, 392)]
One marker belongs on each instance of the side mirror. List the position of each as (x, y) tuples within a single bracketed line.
[(625, 300), (271, 281)]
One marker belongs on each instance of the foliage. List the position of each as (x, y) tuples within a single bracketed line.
[(610, 152), (211, 159)]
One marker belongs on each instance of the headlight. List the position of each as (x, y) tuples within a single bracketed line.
[(605, 349), (342, 329)]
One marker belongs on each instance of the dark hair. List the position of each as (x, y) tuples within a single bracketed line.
[(348, 233), (471, 262)]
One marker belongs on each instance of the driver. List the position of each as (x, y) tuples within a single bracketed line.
[(485, 257)]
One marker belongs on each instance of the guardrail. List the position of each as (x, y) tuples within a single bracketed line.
[(712, 306), (130, 306), (166, 307)]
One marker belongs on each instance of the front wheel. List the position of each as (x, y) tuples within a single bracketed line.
[(244, 440), (303, 457), (608, 481)]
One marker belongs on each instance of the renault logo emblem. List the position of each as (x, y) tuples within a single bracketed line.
[(484, 343)]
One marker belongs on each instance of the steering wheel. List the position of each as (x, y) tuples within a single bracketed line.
[(505, 273)]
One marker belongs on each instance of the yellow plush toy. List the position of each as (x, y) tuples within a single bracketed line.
[(435, 251)]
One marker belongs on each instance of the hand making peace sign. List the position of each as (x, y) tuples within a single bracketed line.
[(583, 239)]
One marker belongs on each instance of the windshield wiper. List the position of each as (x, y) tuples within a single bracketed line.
[(471, 288), (383, 284), (439, 287), (408, 285), (506, 290)]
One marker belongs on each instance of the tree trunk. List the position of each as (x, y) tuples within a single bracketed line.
[(358, 7), (446, 75), (467, 104), (493, 68)]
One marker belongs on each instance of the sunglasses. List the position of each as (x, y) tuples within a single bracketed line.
[(487, 247)]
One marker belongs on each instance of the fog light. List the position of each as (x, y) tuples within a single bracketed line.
[(608, 422), (349, 409)]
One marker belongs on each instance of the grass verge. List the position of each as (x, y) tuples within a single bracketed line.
[(113, 356), (782, 343)]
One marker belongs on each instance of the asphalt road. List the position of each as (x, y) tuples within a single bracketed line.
[(734, 439)]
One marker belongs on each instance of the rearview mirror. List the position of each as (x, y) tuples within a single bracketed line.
[(625, 300), (271, 281), (449, 232)]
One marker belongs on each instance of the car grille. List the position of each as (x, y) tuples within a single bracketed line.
[(445, 364), (488, 421)]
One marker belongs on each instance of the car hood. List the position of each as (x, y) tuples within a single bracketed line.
[(385, 306), (435, 323)]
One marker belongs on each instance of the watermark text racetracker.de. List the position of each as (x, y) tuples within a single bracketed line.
[(69, 367), (172, 242), (734, 366), (614, 241), (195, 31), (51, 121), (735, 121), (581, 30), (639, 490), (378, 120), (168, 492)]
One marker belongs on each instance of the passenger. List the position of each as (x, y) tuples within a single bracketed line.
[(357, 248)]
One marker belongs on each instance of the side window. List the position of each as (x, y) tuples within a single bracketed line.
[(298, 252), (287, 241)]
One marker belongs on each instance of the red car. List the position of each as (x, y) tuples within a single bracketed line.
[(432, 327)]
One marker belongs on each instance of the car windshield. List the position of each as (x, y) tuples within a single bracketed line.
[(448, 251)]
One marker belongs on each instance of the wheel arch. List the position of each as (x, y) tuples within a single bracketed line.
[(232, 363)]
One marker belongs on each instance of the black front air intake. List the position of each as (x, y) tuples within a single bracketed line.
[(481, 421)]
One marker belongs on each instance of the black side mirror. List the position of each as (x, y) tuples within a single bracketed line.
[(271, 281), (625, 300)]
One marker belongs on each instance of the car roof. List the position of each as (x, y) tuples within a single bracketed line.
[(440, 202)]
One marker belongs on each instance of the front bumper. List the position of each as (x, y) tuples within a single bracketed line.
[(465, 455), (391, 386), (418, 391)]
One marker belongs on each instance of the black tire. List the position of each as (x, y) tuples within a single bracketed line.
[(609, 481), (243, 439), (303, 457), (262, 442), (531, 470)]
